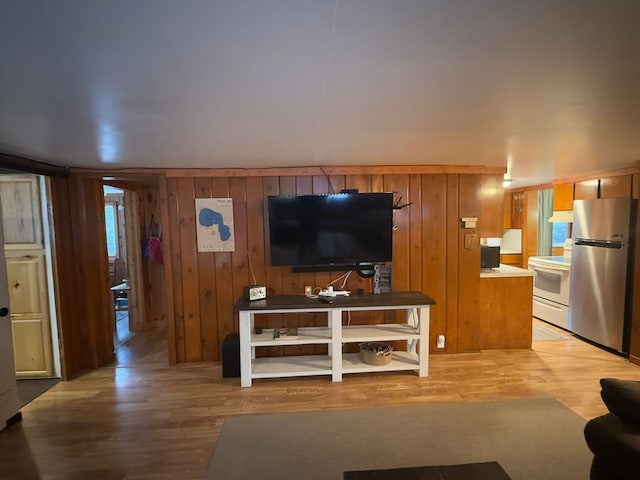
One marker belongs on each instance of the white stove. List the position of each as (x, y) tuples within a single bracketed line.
[(561, 262), (551, 287)]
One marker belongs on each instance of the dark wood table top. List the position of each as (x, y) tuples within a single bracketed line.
[(363, 300), (470, 471)]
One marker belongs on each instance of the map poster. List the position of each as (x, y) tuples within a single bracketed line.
[(214, 225)]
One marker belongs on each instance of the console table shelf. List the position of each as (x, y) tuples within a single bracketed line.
[(290, 366), (415, 331), (380, 333), (306, 336), (351, 363)]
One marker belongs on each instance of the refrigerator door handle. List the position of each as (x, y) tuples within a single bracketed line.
[(587, 242)]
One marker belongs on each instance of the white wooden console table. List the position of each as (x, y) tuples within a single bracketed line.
[(415, 331)]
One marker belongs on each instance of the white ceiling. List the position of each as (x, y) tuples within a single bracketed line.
[(548, 87)]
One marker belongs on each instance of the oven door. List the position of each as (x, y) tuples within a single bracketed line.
[(551, 282)]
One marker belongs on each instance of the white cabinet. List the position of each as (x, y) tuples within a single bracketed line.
[(415, 332)]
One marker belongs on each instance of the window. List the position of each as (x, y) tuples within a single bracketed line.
[(560, 233), (111, 221)]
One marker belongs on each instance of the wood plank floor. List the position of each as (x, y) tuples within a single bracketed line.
[(143, 419)]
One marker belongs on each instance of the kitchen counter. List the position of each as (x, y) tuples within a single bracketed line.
[(505, 307), (505, 271)]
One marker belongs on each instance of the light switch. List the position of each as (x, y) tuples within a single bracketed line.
[(469, 222)]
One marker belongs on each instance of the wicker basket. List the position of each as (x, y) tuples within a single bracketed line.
[(375, 353)]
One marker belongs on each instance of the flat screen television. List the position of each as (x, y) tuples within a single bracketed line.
[(340, 229)]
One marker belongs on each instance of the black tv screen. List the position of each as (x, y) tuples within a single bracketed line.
[(342, 229)]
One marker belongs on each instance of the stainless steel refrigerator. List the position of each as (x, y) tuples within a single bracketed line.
[(603, 232)]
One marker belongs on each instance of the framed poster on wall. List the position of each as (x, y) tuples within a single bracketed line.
[(214, 225)]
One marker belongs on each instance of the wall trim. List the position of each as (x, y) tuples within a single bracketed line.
[(580, 178), (22, 164), (295, 171)]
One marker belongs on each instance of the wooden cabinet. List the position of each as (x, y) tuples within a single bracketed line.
[(586, 190), (517, 208), (563, 197), (491, 205), (508, 198), (616, 187), (26, 273), (609, 187), (506, 312), (513, 209), (513, 259), (28, 298)]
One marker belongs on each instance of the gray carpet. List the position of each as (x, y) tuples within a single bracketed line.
[(31, 388), (533, 439)]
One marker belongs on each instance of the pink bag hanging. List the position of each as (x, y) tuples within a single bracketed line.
[(154, 243), (155, 250)]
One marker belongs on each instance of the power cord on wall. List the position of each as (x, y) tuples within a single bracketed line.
[(328, 180), (344, 277)]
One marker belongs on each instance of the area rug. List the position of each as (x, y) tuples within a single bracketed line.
[(31, 388), (541, 332), (532, 439)]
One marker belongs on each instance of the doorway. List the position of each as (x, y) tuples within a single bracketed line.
[(136, 282), (116, 235)]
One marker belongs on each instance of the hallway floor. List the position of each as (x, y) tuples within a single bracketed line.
[(122, 333)]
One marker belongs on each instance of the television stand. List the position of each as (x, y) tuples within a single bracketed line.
[(415, 332)]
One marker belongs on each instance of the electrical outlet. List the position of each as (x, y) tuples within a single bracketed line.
[(440, 341)]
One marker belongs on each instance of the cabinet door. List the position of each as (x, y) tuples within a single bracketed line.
[(26, 272), (586, 190), (491, 205), (20, 199), (513, 259), (563, 197), (29, 314), (508, 198), (517, 207), (615, 187)]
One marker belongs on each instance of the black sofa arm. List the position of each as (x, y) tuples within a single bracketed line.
[(616, 447)]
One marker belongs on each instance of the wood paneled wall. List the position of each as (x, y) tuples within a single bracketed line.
[(148, 208), (428, 255), (195, 291)]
